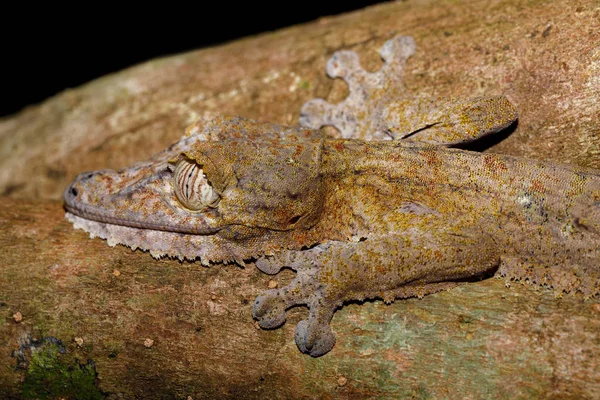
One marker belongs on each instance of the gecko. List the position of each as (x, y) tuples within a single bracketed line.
[(387, 208)]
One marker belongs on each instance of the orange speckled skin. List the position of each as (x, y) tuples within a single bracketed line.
[(357, 219)]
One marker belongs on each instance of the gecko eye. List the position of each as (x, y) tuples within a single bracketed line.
[(192, 187)]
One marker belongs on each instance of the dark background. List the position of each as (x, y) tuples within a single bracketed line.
[(48, 50)]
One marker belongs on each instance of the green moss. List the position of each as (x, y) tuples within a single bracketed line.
[(304, 85), (49, 376)]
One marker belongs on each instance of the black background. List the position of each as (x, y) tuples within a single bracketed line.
[(48, 50)]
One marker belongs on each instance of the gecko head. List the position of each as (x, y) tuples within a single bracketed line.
[(205, 188), (272, 184)]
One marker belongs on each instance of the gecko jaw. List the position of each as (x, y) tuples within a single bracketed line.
[(97, 217)]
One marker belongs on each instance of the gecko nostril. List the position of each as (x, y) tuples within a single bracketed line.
[(74, 192)]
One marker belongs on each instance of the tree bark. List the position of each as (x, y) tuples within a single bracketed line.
[(165, 329)]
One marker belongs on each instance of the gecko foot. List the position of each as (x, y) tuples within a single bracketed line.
[(270, 307), (357, 116), (313, 335)]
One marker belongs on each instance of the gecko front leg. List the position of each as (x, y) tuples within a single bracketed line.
[(386, 267)]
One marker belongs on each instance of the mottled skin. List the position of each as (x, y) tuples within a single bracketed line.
[(356, 219)]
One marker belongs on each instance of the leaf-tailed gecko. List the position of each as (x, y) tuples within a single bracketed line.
[(356, 219)]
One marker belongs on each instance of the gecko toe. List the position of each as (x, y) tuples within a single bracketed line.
[(269, 310), (313, 338), (268, 265), (342, 64), (315, 114), (398, 49)]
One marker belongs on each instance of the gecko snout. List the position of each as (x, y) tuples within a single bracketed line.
[(73, 190), (78, 191)]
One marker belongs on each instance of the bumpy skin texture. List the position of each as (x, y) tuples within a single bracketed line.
[(355, 219)]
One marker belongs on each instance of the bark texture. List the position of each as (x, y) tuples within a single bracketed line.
[(166, 329)]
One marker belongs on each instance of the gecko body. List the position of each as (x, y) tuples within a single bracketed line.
[(355, 219)]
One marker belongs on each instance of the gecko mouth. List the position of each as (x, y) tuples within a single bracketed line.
[(97, 217)]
